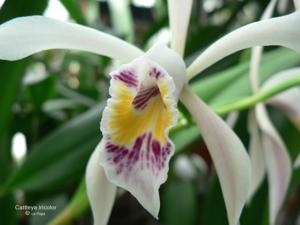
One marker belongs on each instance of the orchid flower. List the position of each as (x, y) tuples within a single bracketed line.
[(287, 101), (135, 149), (267, 150)]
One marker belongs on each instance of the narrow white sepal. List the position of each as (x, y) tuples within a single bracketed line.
[(277, 160), (232, 119), (25, 36), (297, 4), (297, 162), (100, 191), (179, 17), (121, 9), (282, 6), (256, 52), (227, 151), (269, 10), (282, 31), (287, 101), (256, 153)]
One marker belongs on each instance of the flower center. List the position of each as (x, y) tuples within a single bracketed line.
[(142, 102)]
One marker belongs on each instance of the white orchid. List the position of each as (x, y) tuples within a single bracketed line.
[(135, 149), (287, 101), (267, 150)]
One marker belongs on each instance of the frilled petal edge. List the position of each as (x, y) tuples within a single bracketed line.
[(136, 123)]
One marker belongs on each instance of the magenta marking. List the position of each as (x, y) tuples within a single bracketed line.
[(146, 152), (143, 96), (148, 146), (127, 77), (156, 73)]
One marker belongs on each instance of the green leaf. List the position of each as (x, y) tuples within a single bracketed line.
[(11, 75), (42, 91), (12, 72), (60, 158), (5, 155), (179, 203), (14, 8), (207, 87), (74, 9), (280, 59), (10, 79), (233, 84), (181, 138), (8, 214), (214, 211), (254, 211), (78, 205)]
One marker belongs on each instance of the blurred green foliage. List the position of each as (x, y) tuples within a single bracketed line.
[(60, 114)]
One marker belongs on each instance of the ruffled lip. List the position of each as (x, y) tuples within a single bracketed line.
[(135, 127)]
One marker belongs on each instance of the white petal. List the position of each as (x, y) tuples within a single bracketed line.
[(257, 51), (283, 31), (287, 101), (232, 118), (100, 191), (297, 4), (278, 163), (179, 17), (269, 10), (121, 9), (282, 6), (297, 162), (256, 145), (227, 151), (256, 154), (171, 62), (25, 36)]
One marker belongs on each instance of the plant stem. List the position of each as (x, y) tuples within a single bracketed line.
[(260, 97)]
